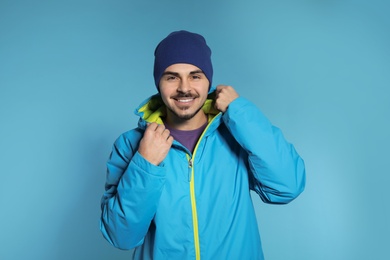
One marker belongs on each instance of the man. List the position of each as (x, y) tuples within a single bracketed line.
[(178, 186)]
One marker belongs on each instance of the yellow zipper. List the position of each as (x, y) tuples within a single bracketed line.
[(194, 212), (192, 194)]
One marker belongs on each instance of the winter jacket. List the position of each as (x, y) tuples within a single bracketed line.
[(198, 205)]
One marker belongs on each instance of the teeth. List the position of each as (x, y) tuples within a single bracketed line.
[(185, 100)]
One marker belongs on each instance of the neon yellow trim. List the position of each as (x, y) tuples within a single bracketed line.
[(156, 116), (193, 199), (194, 216), (208, 107), (153, 111)]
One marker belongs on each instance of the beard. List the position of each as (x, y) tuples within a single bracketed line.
[(187, 116)]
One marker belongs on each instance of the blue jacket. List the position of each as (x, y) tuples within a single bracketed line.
[(198, 205)]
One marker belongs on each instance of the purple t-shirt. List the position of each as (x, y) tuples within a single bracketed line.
[(188, 138)]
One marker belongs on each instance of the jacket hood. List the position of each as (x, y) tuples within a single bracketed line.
[(153, 109)]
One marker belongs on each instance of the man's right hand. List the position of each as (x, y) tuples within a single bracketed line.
[(155, 144)]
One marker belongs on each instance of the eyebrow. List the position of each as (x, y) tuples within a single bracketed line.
[(176, 74)]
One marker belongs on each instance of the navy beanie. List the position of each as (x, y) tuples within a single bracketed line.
[(182, 47)]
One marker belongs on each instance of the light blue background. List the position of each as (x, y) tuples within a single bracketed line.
[(71, 73)]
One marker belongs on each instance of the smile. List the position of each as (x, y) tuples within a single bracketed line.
[(185, 100)]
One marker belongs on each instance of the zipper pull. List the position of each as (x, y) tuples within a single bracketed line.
[(189, 169), (190, 163)]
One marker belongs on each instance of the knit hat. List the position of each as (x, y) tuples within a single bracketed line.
[(182, 47)]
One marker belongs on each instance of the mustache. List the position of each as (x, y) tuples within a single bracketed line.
[(185, 95)]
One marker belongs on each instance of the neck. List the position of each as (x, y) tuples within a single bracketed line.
[(186, 124)]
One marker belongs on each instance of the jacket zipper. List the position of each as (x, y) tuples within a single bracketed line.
[(194, 211), (192, 193)]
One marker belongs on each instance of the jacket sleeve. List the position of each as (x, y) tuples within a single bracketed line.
[(277, 172), (132, 190)]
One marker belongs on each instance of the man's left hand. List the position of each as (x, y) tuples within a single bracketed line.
[(224, 96)]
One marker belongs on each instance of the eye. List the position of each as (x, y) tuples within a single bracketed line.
[(196, 77), (170, 78)]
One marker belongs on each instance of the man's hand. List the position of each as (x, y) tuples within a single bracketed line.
[(155, 144), (224, 96)]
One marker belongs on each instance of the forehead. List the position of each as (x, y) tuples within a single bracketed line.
[(182, 68)]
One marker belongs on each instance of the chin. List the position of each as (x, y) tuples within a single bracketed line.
[(184, 113), (185, 116)]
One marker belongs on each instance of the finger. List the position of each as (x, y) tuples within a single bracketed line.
[(160, 129), (170, 139), (218, 90), (220, 87), (152, 126), (166, 134), (216, 105)]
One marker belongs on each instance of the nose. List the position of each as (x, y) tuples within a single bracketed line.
[(184, 86)]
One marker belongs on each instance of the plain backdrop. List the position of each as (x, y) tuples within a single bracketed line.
[(72, 73)]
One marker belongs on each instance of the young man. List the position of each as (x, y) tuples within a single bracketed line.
[(178, 186)]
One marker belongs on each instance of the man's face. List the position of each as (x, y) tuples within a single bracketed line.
[(184, 89)]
